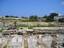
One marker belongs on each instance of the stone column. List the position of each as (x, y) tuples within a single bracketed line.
[(54, 41), (40, 43), (25, 40)]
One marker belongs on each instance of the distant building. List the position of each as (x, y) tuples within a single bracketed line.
[(56, 18), (59, 20)]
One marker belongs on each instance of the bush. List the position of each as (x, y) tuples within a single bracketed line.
[(30, 27)]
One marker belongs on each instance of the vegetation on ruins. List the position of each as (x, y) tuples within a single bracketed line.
[(1, 30), (15, 22)]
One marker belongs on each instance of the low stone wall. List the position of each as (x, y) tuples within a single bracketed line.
[(34, 41)]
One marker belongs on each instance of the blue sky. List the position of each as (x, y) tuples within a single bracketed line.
[(30, 7)]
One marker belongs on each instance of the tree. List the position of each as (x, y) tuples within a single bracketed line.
[(45, 16), (11, 16), (24, 17), (53, 14), (33, 18), (6, 16), (51, 17)]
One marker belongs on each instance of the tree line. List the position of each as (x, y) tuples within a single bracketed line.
[(46, 18)]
